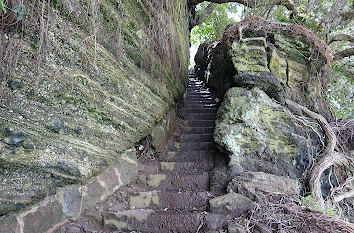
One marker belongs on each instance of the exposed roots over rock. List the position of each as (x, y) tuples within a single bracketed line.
[(268, 27), (283, 214), (330, 157)]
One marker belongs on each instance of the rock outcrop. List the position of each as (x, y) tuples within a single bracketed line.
[(262, 135), (86, 81), (284, 60), (260, 69)]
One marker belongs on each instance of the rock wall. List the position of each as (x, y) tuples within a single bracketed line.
[(86, 81)]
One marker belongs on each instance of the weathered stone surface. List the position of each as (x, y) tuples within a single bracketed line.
[(100, 84), (70, 201), (44, 218), (201, 59), (233, 204), (163, 130), (120, 173), (233, 228), (274, 60), (257, 185), (249, 59), (9, 224), (262, 135)]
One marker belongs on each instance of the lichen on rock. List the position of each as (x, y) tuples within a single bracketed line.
[(262, 135), (106, 74)]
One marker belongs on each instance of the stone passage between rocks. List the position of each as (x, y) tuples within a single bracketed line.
[(175, 195)]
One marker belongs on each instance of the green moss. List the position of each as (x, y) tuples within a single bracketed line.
[(102, 118)]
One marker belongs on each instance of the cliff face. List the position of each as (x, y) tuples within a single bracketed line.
[(85, 80)]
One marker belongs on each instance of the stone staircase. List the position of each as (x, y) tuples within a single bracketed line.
[(175, 194)]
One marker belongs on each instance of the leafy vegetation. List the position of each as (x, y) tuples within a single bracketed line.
[(214, 26), (329, 19), (2, 6), (310, 202)]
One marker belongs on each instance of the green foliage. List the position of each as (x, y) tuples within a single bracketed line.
[(311, 203), (213, 27), (341, 90), (2, 6), (20, 10)]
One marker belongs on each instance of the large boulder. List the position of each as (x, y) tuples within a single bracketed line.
[(259, 134)]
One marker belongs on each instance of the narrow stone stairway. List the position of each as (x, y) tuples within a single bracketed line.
[(174, 196)]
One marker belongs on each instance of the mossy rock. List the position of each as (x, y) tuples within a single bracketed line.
[(261, 135)]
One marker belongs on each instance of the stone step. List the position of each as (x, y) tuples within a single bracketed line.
[(193, 86), (199, 105), (198, 130), (193, 146), (200, 110), (200, 100), (200, 116), (145, 220), (169, 182), (199, 123), (208, 137), (190, 156), (190, 168), (169, 200), (176, 167), (198, 92), (198, 95)]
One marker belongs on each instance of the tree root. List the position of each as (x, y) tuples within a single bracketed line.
[(329, 158), (263, 39)]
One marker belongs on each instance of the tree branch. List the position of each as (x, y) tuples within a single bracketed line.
[(343, 54), (253, 3), (209, 10), (341, 37)]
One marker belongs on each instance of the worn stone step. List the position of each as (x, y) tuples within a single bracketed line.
[(200, 116), (200, 101), (199, 123), (190, 168), (193, 146), (200, 110), (169, 182), (198, 130), (195, 86), (169, 200), (190, 156), (150, 221), (198, 95), (199, 105), (208, 137), (176, 167), (197, 92)]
